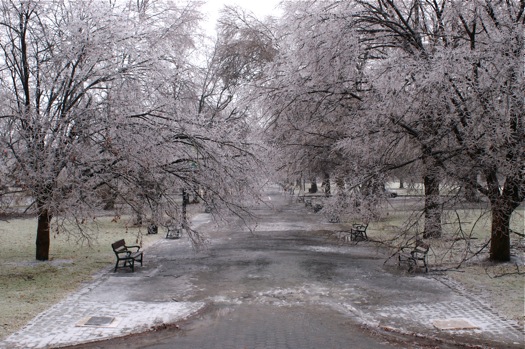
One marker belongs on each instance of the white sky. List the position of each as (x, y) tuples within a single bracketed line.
[(261, 8)]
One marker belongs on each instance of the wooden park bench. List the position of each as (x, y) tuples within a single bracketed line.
[(125, 255), (174, 232), (358, 232), (310, 204), (307, 198), (416, 256)]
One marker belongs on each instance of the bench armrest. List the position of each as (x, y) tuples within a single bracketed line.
[(358, 226), (134, 246), (125, 253)]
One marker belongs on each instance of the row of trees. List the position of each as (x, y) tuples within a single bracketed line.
[(361, 91), (108, 100), (120, 100)]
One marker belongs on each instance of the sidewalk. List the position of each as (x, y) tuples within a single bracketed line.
[(176, 283), (83, 317)]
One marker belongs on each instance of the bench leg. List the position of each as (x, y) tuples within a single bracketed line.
[(127, 263), (400, 260), (123, 265), (412, 264), (139, 259), (408, 260)]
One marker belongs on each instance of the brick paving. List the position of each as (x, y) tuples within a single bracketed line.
[(281, 288), (57, 326), (418, 318), (276, 327)]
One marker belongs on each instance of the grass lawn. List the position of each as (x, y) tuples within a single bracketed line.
[(28, 286), (500, 285), (459, 254)]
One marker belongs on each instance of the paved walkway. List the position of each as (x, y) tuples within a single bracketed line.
[(67, 322), (277, 285)]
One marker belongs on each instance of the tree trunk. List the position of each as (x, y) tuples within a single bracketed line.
[(313, 187), (503, 201), (139, 218), (432, 207), (326, 184), (42, 235), (500, 234), (471, 193), (185, 202), (109, 198)]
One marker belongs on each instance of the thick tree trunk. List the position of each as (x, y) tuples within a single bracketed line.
[(42, 235), (471, 193), (500, 234), (432, 207), (504, 199)]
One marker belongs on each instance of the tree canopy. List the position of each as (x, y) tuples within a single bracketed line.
[(366, 90), (103, 100), (129, 102)]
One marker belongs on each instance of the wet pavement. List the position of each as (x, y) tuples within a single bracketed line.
[(288, 284)]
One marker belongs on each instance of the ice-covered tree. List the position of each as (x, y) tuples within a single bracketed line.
[(101, 99), (312, 87), (450, 74), (368, 89)]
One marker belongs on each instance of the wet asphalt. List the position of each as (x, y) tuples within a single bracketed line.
[(290, 283)]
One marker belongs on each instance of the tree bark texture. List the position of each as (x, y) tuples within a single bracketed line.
[(500, 234), (504, 200), (185, 202), (471, 193), (432, 207), (42, 235)]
